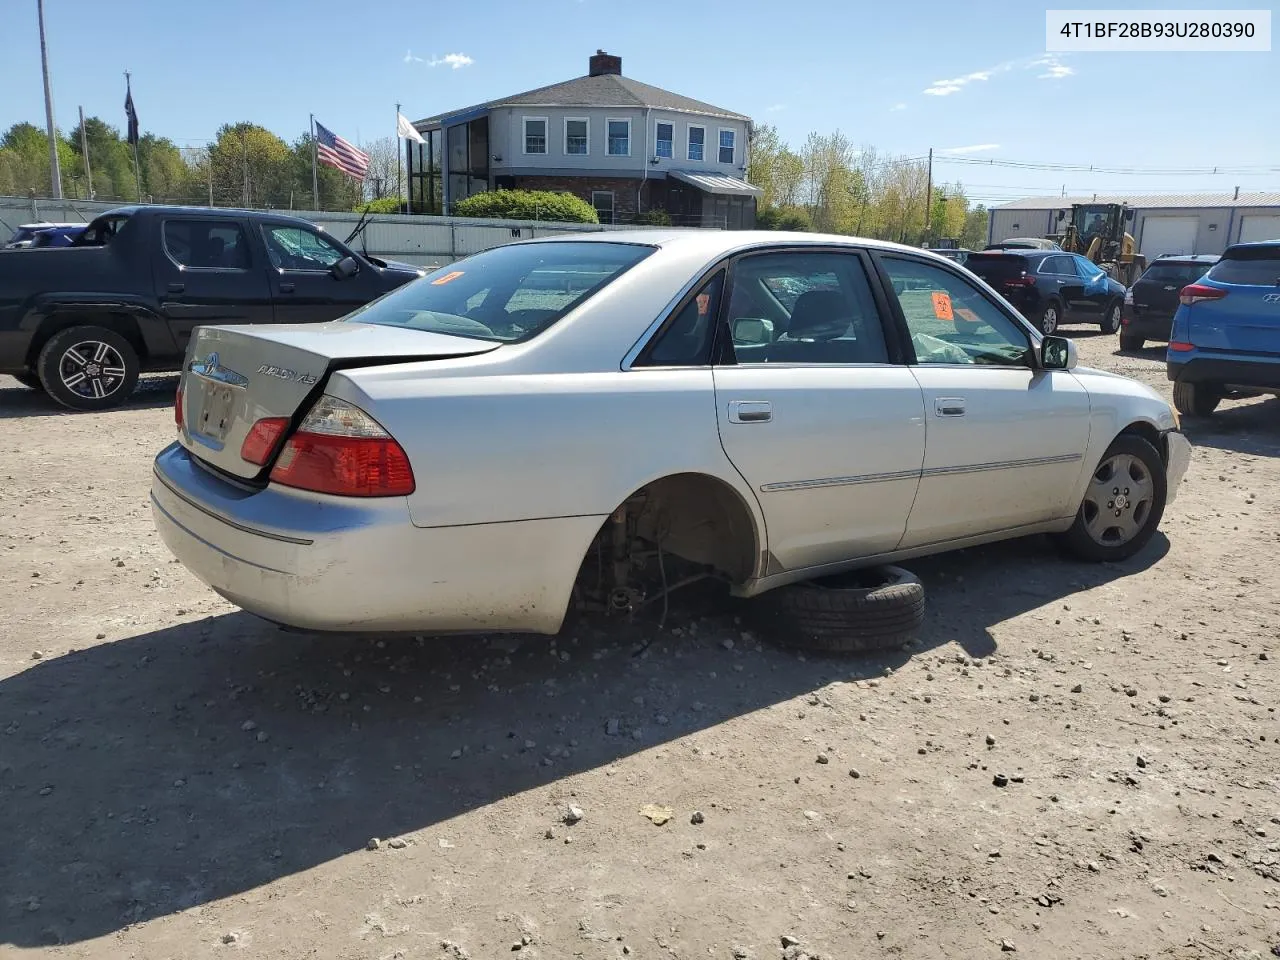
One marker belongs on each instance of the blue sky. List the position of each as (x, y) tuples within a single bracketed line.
[(970, 77)]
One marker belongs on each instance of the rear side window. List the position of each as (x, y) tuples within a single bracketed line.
[(206, 244), (1253, 267), (103, 230), (509, 293), (686, 339), (1176, 273), (1059, 266)]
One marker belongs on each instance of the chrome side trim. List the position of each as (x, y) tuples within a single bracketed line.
[(839, 481), (909, 474), (1002, 465)]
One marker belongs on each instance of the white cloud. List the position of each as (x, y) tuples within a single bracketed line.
[(897, 106), (973, 148), (454, 60), (776, 108), (944, 88), (410, 58), (1055, 69)]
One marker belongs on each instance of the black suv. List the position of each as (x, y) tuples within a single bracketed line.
[(1152, 301), (1050, 287)]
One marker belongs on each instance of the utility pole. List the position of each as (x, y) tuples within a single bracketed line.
[(55, 171), (928, 202), (84, 152)]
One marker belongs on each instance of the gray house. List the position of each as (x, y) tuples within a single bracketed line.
[(623, 146), (1162, 223)]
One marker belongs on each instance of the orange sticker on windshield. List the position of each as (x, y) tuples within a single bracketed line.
[(964, 313), (942, 305), (447, 277)]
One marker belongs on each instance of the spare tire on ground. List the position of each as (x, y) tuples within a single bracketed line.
[(879, 608)]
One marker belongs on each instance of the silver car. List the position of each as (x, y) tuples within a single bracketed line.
[(541, 420)]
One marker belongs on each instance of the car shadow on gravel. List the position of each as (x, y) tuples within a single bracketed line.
[(1250, 426), (159, 772), (19, 401)]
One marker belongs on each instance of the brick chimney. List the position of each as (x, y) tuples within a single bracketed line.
[(603, 64)]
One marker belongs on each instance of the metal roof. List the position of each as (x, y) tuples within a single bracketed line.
[(605, 90), (1146, 201), (717, 183)]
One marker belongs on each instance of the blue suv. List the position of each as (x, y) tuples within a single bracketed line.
[(1226, 333)]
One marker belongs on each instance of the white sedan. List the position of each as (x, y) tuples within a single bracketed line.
[(535, 423)]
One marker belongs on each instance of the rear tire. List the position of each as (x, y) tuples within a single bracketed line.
[(1111, 319), (858, 612), (88, 368), (1050, 318), (29, 380), (1122, 505), (1196, 399), (1132, 342)]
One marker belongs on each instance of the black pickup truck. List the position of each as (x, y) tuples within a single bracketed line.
[(83, 321)]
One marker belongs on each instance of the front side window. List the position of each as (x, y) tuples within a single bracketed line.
[(296, 248), (664, 140), (697, 143), (949, 319), (508, 293), (535, 135), (801, 308), (206, 244), (619, 138), (727, 141), (575, 137)]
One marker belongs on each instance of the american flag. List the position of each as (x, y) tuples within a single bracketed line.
[(333, 151)]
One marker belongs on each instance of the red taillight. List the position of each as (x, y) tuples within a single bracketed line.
[(1198, 292), (340, 449), (1178, 346), (262, 439), (1026, 280), (177, 408)]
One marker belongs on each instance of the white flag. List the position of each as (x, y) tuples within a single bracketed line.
[(406, 129)]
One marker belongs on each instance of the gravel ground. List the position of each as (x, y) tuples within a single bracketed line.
[(179, 779)]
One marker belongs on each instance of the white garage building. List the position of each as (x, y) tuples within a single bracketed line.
[(1162, 223)]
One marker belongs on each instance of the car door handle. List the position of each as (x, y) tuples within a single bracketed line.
[(286, 288), (949, 406), (177, 287), (750, 411)]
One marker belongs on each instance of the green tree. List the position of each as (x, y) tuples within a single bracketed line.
[(24, 160)]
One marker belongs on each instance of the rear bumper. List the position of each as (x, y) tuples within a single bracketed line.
[(349, 565), (1155, 326), (1253, 373)]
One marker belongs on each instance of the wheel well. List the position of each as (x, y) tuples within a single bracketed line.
[(120, 323), (700, 519), (1150, 434)]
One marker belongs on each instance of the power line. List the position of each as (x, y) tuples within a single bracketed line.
[(1124, 171)]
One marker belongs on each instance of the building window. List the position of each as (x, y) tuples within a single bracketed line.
[(619, 138), (576, 137), (602, 200), (535, 134), (664, 137), (697, 143), (727, 138)]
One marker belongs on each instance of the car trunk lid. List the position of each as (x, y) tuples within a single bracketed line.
[(1156, 291), (1247, 319), (238, 375), (998, 269)]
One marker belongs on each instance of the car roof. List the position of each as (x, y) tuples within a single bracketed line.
[(1020, 252), (721, 242), (1186, 258), (207, 213), (1259, 245), (44, 225)]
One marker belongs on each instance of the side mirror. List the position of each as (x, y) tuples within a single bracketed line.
[(1058, 353), (345, 268), (750, 330)]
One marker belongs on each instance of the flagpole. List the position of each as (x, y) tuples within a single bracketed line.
[(315, 177), (399, 147), (84, 149), (137, 177)]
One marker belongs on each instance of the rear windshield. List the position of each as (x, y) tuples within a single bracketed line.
[(994, 266), (1259, 266), (1179, 273), (505, 294)]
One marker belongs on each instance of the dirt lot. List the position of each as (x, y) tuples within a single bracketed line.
[(178, 779)]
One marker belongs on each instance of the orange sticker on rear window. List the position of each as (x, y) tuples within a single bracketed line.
[(447, 277), (942, 305)]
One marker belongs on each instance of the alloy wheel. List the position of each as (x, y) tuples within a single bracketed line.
[(92, 369)]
